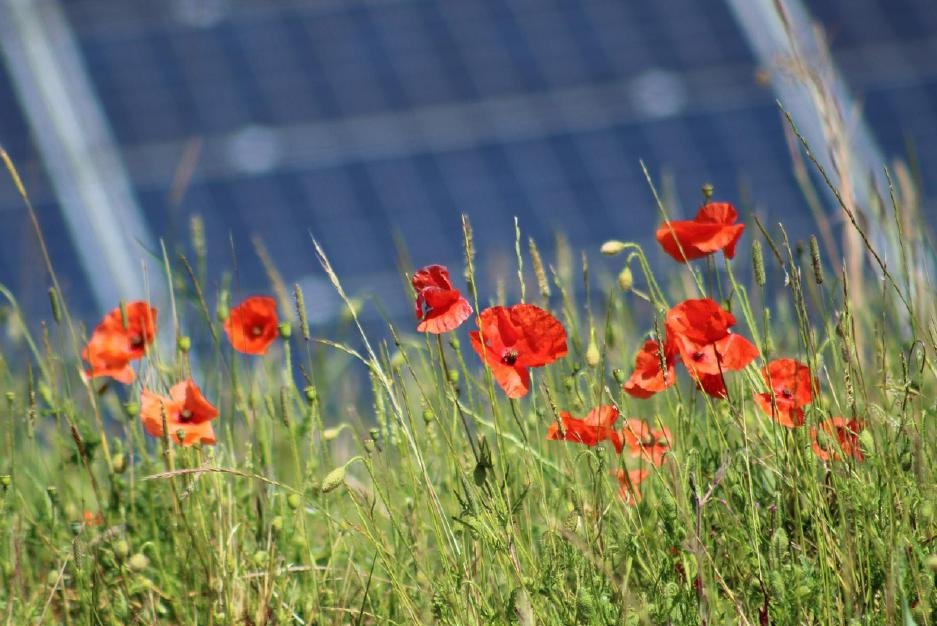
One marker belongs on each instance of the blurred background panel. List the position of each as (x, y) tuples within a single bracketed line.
[(376, 123)]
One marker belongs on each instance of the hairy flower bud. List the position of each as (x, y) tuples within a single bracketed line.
[(613, 247)]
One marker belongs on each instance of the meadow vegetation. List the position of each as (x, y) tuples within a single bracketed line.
[(743, 432)]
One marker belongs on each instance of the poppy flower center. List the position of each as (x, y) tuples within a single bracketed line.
[(257, 331), (648, 440), (787, 394), (510, 357), (136, 342), (185, 415), (698, 356)]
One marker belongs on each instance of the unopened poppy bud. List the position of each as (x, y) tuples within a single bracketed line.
[(619, 375), (479, 474), (132, 409), (119, 463), (311, 393), (53, 494), (180, 435), (260, 558), (707, 190), (276, 524), (626, 279), (613, 247), (330, 434), (593, 355), (453, 376), (45, 393), (121, 549), (758, 263), (184, 343), (222, 311), (333, 479), (54, 303), (428, 415), (138, 562), (351, 311), (815, 260), (867, 441), (294, 501), (286, 330), (5, 481), (454, 342)]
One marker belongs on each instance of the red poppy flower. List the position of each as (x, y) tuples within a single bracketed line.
[(92, 519), (792, 385), (649, 443), (253, 325), (712, 229), (629, 484), (187, 413), (700, 331), (648, 378), (439, 307), (837, 432), (113, 345), (596, 427), (515, 339), (713, 385)]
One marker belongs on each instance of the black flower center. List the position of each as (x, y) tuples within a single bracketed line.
[(185, 415), (698, 356), (136, 342), (257, 331), (510, 357), (787, 394)]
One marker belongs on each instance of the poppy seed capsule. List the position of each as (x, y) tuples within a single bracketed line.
[(286, 330), (311, 393), (184, 343), (613, 247), (294, 501), (619, 375)]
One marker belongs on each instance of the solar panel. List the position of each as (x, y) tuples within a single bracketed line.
[(356, 120)]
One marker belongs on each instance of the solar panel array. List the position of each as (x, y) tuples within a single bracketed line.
[(358, 120)]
